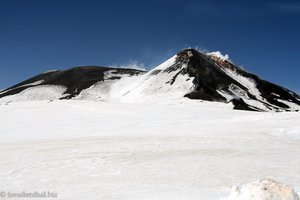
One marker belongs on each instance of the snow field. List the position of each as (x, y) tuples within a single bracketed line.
[(179, 150)]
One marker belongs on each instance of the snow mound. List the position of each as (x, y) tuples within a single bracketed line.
[(264, 189)]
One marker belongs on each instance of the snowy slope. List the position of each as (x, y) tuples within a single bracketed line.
[(103, 150), (158, 85)]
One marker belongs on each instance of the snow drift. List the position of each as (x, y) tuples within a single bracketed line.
[(188, 74), (265, 189)]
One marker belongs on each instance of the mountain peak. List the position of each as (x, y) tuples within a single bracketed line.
[(188, 74)]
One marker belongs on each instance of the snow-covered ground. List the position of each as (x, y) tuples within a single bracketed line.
[(173, 151)]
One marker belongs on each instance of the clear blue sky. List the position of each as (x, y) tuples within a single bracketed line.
[(38, 35)]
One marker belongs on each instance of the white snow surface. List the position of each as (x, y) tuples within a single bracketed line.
[(157, 151)]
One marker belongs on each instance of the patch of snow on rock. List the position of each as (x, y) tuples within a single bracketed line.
[(32, 84), (51, 70)]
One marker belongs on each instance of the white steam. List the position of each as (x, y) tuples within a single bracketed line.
[(133, 64), (219, 55)]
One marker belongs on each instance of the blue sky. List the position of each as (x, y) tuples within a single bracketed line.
[(39, 35)]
